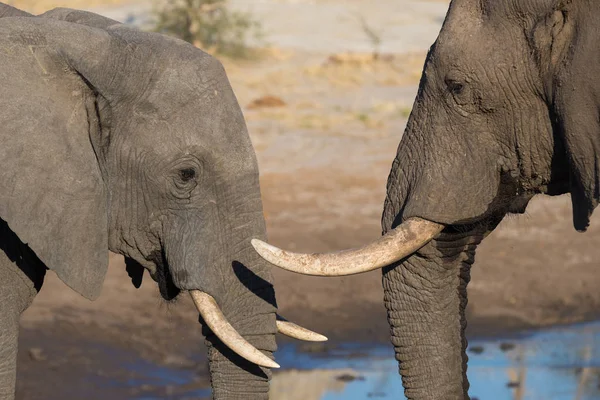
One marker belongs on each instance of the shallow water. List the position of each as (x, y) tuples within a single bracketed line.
[(556, 364), (144, 380), (179, 383)]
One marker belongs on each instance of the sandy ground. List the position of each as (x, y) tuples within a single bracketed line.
[(324, 156)]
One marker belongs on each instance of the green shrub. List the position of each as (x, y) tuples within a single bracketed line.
[(209, 25)]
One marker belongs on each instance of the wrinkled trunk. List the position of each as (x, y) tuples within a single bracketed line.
[(232, 377), (218, 259), (250, 309), (425, 297), (438, 176)]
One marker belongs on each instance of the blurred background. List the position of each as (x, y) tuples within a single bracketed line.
[(326, 87)]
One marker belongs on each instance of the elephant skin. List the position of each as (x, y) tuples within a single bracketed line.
[(507, 108), (134, 142)]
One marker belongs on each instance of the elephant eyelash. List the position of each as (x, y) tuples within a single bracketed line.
[(185, 181), (187, 174), (455, 87)]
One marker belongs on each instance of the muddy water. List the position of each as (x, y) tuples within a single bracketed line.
[(179, 384), (562, 363), (557, 364)]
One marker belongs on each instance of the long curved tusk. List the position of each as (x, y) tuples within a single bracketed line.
[(400, 242), (216, 321), (297, 332)]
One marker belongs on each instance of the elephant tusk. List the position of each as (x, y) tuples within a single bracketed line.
[(398, 243), (216, 321), (297, 332)]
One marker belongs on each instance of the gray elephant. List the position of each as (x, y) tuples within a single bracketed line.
[(117, 139), (507, 108)]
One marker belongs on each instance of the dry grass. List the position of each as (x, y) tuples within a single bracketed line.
[(316, 90), (355, 69)]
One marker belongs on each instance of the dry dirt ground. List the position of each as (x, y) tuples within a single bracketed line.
[(325, 142)]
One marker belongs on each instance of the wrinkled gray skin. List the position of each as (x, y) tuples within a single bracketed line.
[(117, 139), (507, 108)]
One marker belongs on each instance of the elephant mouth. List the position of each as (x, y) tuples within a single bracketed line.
[(473, 227), (162, 276)]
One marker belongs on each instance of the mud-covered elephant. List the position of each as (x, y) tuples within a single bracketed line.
[(116, 139), (508, 107)]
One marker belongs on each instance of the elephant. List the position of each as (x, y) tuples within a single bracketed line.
[(134, 142), (507, 108)]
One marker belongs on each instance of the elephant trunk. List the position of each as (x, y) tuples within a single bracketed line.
[(209, 254), (235, 378), (237, 383), (251, 311), (425, 294), (425, 297)]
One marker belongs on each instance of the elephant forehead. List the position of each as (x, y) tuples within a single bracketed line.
[(189, 90), (213, 115), (503, 9), (462, 25), (169, 73), (521, 8), (183, 83), (473, 46), (216, 134)]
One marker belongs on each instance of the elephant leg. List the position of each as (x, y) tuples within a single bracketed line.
[(21, 277)]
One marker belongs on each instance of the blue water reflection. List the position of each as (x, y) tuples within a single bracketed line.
[(556, 364), (158, 382)]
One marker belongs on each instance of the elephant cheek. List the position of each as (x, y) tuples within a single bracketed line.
[(195, 274), (181, 277)]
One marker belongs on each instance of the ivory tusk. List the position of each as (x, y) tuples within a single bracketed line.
[(297, 332), (216, 321), (398, 243)]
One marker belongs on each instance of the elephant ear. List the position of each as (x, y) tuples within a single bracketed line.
[(575, 92), (52, 192)]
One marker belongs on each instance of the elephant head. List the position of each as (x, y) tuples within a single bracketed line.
[(507, 108), (113, 138)]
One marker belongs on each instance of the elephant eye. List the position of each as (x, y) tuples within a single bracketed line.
[(184, 177), (187, 174), (455, 87)]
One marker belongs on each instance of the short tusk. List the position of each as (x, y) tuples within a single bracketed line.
[(400, 242), (297, 332), (216, 321)]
